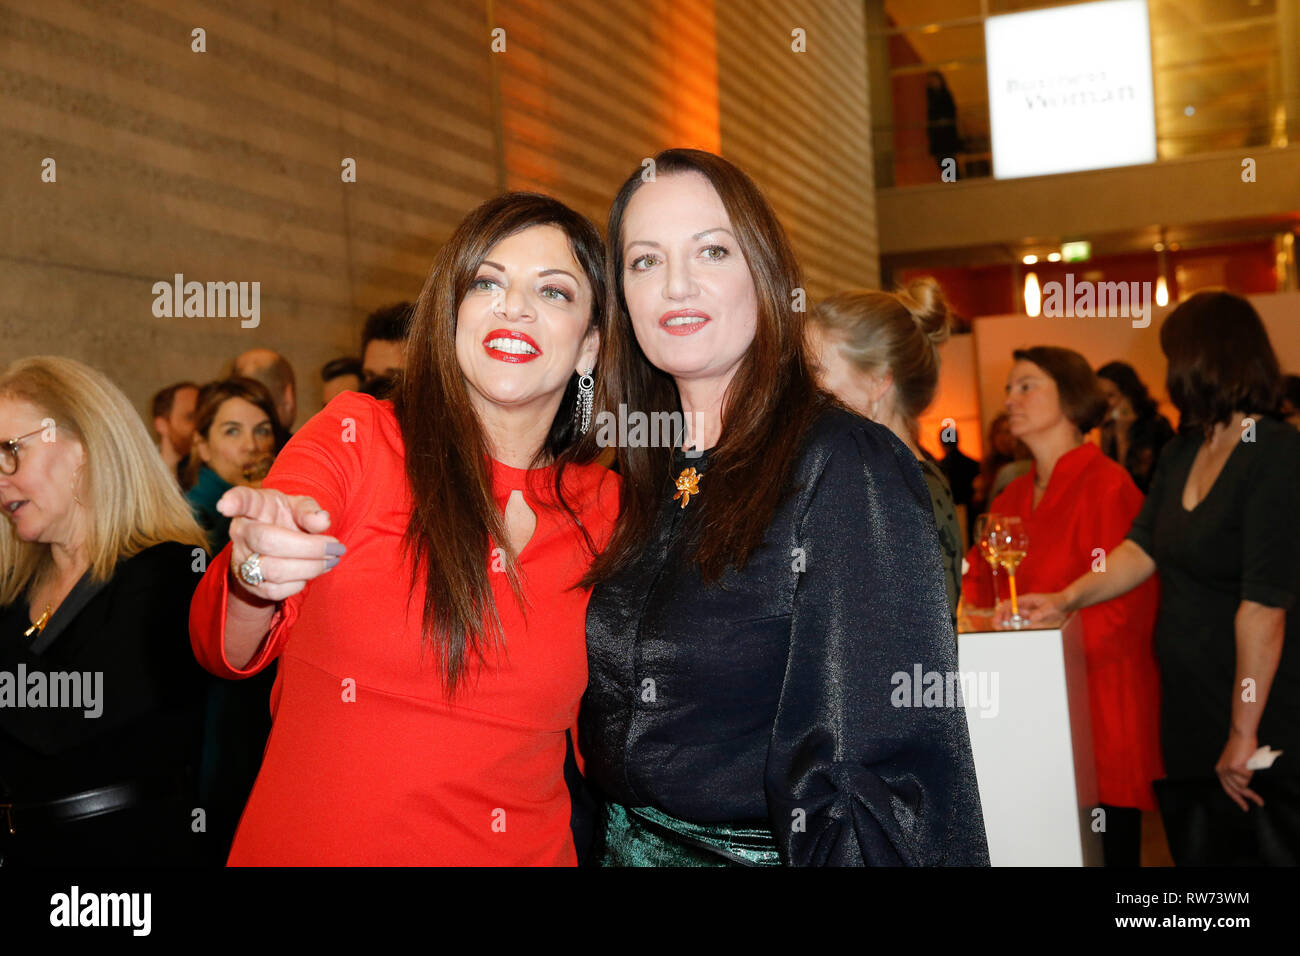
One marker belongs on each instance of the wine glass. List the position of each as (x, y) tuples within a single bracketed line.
[(1010, 541), (983, 527)]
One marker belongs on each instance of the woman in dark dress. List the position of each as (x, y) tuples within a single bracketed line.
[(1134, 432), (767, 589), (98, 560), (1220, 524)]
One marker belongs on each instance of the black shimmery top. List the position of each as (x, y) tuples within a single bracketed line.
[(774, 694)]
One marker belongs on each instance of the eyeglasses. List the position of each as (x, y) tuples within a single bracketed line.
[(9, 452)]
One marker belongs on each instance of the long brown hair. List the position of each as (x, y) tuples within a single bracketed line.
[(769, 405), (454, 520)]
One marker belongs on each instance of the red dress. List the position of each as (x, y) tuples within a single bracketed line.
[(368, 761), (1089, 504)]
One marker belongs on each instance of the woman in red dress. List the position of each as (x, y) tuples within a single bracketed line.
[(1076, 504), (431, 645)]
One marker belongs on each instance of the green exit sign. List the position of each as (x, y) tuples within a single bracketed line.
[(1076, 251)]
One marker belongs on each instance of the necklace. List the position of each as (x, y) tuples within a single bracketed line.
[(40, 623)]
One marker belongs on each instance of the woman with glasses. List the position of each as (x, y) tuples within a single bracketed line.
[(98, 560)]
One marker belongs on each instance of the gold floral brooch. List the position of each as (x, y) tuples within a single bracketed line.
[(688, 483)]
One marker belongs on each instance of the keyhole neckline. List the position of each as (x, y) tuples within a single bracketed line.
[(530, 481)]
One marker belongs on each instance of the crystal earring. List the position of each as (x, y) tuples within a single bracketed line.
[(586, 388)]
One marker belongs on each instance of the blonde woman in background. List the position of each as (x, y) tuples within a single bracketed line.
[(98, 555), (878, 353)]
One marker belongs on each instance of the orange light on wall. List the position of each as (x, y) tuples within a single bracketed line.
[(581, 104), (684, 71)]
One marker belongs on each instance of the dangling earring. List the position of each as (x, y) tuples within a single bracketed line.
[(586, 388), (875, 409)]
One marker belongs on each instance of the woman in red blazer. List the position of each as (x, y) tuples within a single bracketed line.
[(1076, 504), (431, 646)]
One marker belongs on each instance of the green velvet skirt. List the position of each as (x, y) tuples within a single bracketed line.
[(643, 836)]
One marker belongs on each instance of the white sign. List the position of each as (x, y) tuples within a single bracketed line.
[(1070, 88)]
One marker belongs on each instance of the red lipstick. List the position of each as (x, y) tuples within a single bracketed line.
[(499, 343), (698, 320)]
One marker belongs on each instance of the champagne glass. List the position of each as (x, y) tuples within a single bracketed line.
[(983, 528), (1010, 541)]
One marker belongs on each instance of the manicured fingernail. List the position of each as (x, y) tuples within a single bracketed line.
[(330, 562), (335, 548)]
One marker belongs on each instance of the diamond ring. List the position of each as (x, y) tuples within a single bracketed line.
[(250, 572)]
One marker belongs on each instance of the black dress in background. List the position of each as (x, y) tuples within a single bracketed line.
[(134, 630), (1147, 438), (768, 696), (1241, 542)]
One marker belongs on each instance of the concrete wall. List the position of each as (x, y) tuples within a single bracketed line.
[(225, 165)]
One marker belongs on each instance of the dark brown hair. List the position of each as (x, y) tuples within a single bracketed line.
[(895, 332), (165, 400), (769, 405), (1082, 400), (455, 520), (1131, 386), (211, 397), (1220, 361), (392, 323)]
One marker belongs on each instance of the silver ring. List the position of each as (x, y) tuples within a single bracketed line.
[(250, 572)]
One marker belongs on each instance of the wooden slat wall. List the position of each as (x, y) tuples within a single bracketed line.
[(224, 165), (799, 124), (590, 89)]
